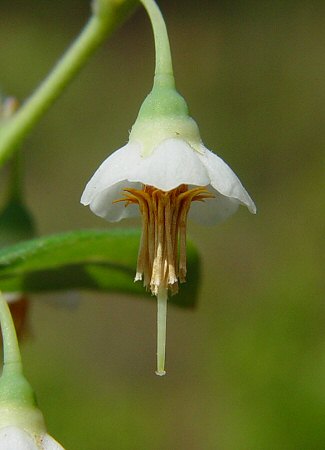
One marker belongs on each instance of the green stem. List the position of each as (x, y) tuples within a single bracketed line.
[(103, 22), (164, 67), (161, 330), (11, 353), (9, 108)]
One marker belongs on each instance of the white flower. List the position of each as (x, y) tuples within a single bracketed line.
[(13, 438), (162, 170), (174, 169), (165, 173), (163, 178)]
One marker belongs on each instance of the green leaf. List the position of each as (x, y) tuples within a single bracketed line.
[(89, 259)]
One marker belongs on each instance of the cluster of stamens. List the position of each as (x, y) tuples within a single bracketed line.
[(162, 252)]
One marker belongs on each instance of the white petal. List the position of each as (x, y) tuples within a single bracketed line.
[(224, 180), (13, 438), (213, 210), (102, 203), (172, 163), (50, 444), (116, 168)]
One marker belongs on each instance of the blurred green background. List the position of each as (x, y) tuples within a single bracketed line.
[(246, 369)]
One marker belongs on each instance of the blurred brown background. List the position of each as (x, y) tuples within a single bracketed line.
[(246, 369)]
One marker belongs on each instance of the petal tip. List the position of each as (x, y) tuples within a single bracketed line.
[(252, 208)]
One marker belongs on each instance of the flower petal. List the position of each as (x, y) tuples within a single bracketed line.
[(224, 180), (213, 210), (50, 444), (103, 203), (17, 439), (117, 167), (171, 164)]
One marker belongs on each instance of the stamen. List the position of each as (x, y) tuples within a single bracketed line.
[(162, 252), (143, 249), (158, 263), (171, 259)]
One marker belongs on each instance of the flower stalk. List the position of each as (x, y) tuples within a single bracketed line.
[(164, 68)]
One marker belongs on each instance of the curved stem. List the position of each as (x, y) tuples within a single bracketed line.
[(164, 66), (11, 353), (161, 330), (93, 34)]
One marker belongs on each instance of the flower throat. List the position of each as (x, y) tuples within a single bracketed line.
[(162, 253)]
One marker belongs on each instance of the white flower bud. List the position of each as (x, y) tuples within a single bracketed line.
[(13, 438), (22, 425)]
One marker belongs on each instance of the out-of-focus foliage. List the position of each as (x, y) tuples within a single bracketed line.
[(246, 370), (16, 223)]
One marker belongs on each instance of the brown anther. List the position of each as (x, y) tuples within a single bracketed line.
[(162, 252)]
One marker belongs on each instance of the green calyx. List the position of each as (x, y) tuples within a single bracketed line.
[(17, 400), (163, 100), (164, 115), (18, 404)]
